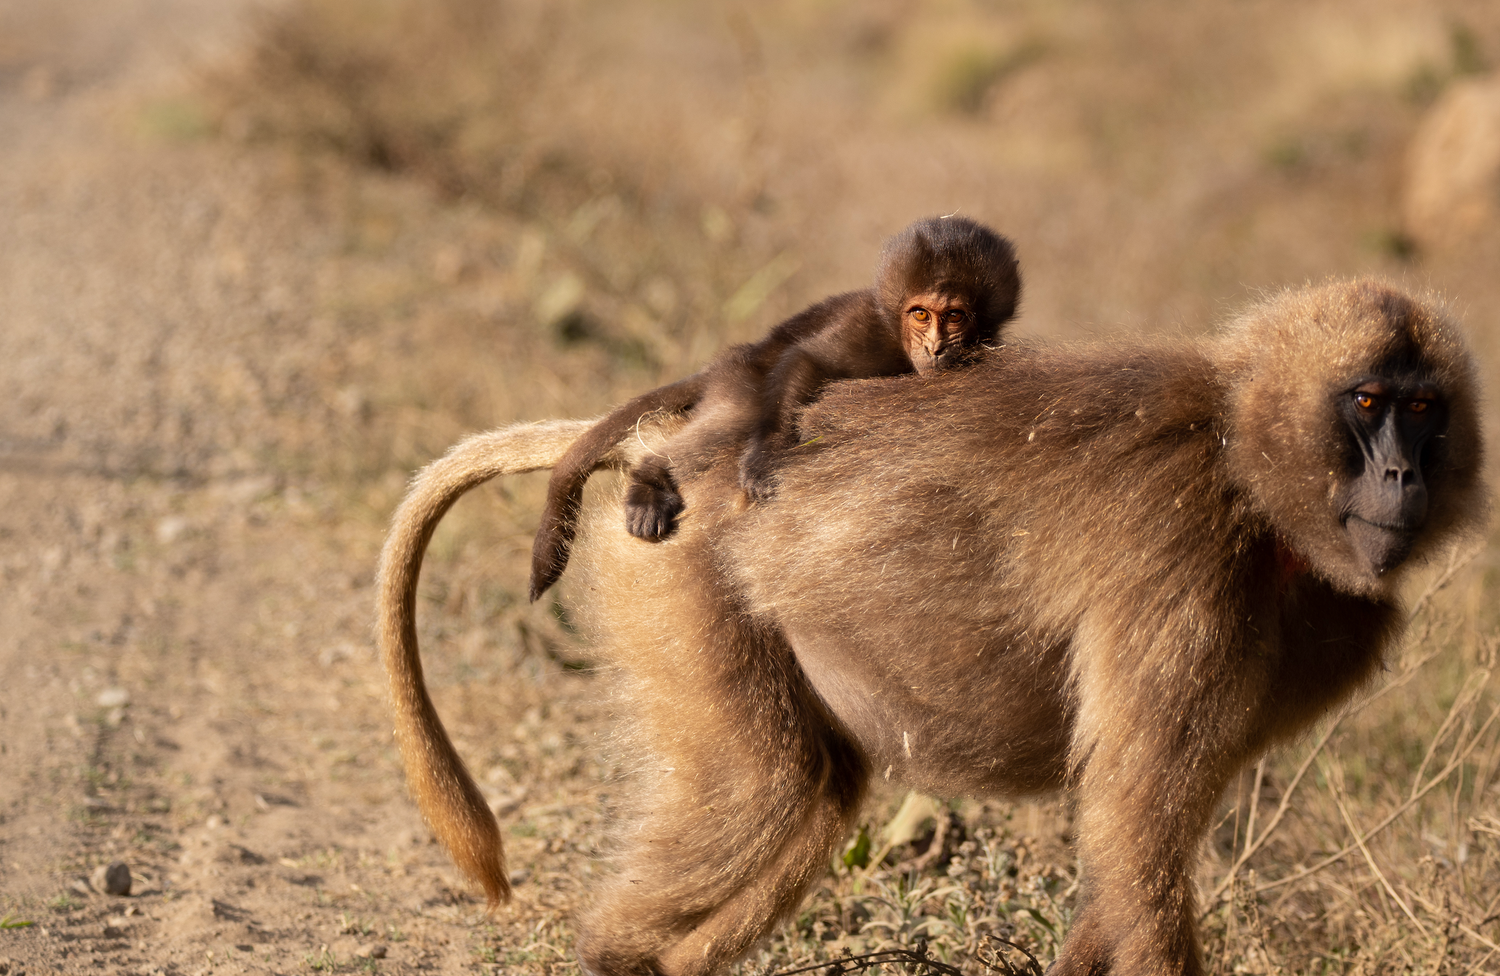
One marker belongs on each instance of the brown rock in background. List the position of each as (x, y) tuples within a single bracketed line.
[(1452, 191)]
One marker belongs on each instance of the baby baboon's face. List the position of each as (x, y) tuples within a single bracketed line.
[(936, 327)]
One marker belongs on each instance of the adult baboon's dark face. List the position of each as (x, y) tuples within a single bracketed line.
[(1384, 503), (1354, 430)]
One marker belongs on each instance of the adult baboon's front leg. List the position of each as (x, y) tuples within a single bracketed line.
[(1146, 797)]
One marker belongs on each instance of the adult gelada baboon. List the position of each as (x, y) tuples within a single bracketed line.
[(1123, 570), (944, 286)]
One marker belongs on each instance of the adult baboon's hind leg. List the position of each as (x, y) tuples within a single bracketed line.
[(745, 806), (743, 785), (698, 885)]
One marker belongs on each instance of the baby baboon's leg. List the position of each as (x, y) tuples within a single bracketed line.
[(652, 502)]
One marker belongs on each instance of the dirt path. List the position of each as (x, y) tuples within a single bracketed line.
[(188, 680)]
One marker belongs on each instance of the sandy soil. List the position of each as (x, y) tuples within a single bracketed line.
[(188, 677)]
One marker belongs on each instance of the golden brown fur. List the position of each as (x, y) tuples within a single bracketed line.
[(1116, 569), (944, 286), (444, 790)]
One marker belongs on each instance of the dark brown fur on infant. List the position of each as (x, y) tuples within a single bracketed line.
[(944, 286)]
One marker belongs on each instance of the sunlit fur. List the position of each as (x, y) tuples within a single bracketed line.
[(746, 399), (1112, 569), (443, 788)]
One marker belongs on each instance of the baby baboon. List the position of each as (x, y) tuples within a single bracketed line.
[(944, 285), (1125, 570)]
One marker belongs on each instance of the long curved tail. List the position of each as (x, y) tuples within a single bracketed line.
[(596, 448), (447, 795)]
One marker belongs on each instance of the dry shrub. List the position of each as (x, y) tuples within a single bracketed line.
[(1373, 846), (423, 88), (479, 100)]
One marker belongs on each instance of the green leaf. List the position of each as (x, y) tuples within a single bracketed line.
[(858, 854)]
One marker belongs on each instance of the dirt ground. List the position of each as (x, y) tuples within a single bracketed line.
[(188, 677), (207, 426)]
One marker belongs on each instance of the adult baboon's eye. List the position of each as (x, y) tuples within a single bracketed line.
[(1363, 400), (1419, 406)]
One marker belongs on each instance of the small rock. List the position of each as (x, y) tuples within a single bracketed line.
[(242, 854), (1453, 165), (113, 879), (504, 805), (353, 403), (171, 528), (376, 951), (330, 656), (113, 698)]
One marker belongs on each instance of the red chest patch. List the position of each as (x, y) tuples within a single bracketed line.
[(1289, 565)]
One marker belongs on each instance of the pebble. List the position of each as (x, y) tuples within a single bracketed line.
[(113, 698), (171, 528)]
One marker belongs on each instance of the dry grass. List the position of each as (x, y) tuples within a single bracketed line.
[(621, 189)]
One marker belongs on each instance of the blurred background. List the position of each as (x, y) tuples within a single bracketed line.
[(262, 261)]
